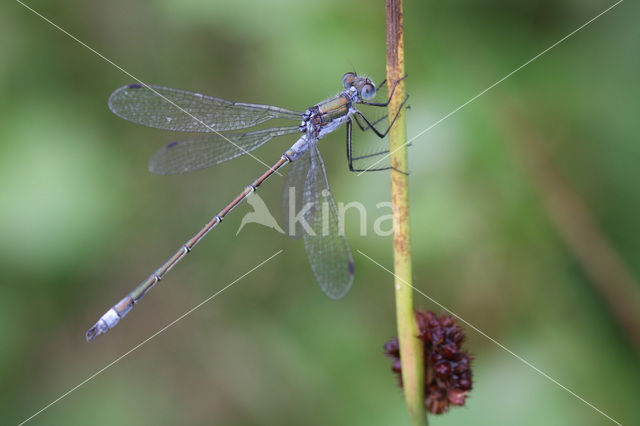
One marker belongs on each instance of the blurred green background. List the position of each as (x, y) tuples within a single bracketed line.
[(82, 221)]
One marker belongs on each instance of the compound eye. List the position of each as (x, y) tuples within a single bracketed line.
[(368, 91), (348, 79)]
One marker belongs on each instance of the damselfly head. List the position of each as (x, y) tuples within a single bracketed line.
[(365, 87)]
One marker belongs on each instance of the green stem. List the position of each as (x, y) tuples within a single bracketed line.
[(411, 352)]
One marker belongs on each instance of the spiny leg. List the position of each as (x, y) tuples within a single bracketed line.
[(371, 125), (364, 129), (384, 117), (350, 157), (375, 154)]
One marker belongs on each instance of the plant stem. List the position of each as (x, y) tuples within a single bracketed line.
[(411, 352)]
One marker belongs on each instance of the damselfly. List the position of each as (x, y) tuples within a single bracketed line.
[(172, 109)]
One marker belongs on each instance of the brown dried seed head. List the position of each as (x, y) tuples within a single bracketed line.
[(447, 366)]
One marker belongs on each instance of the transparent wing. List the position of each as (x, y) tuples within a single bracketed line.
[(327, 248), (144, 106), (292, 194), (207, 150)]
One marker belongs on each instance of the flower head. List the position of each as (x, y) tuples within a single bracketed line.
[(447, 377)]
